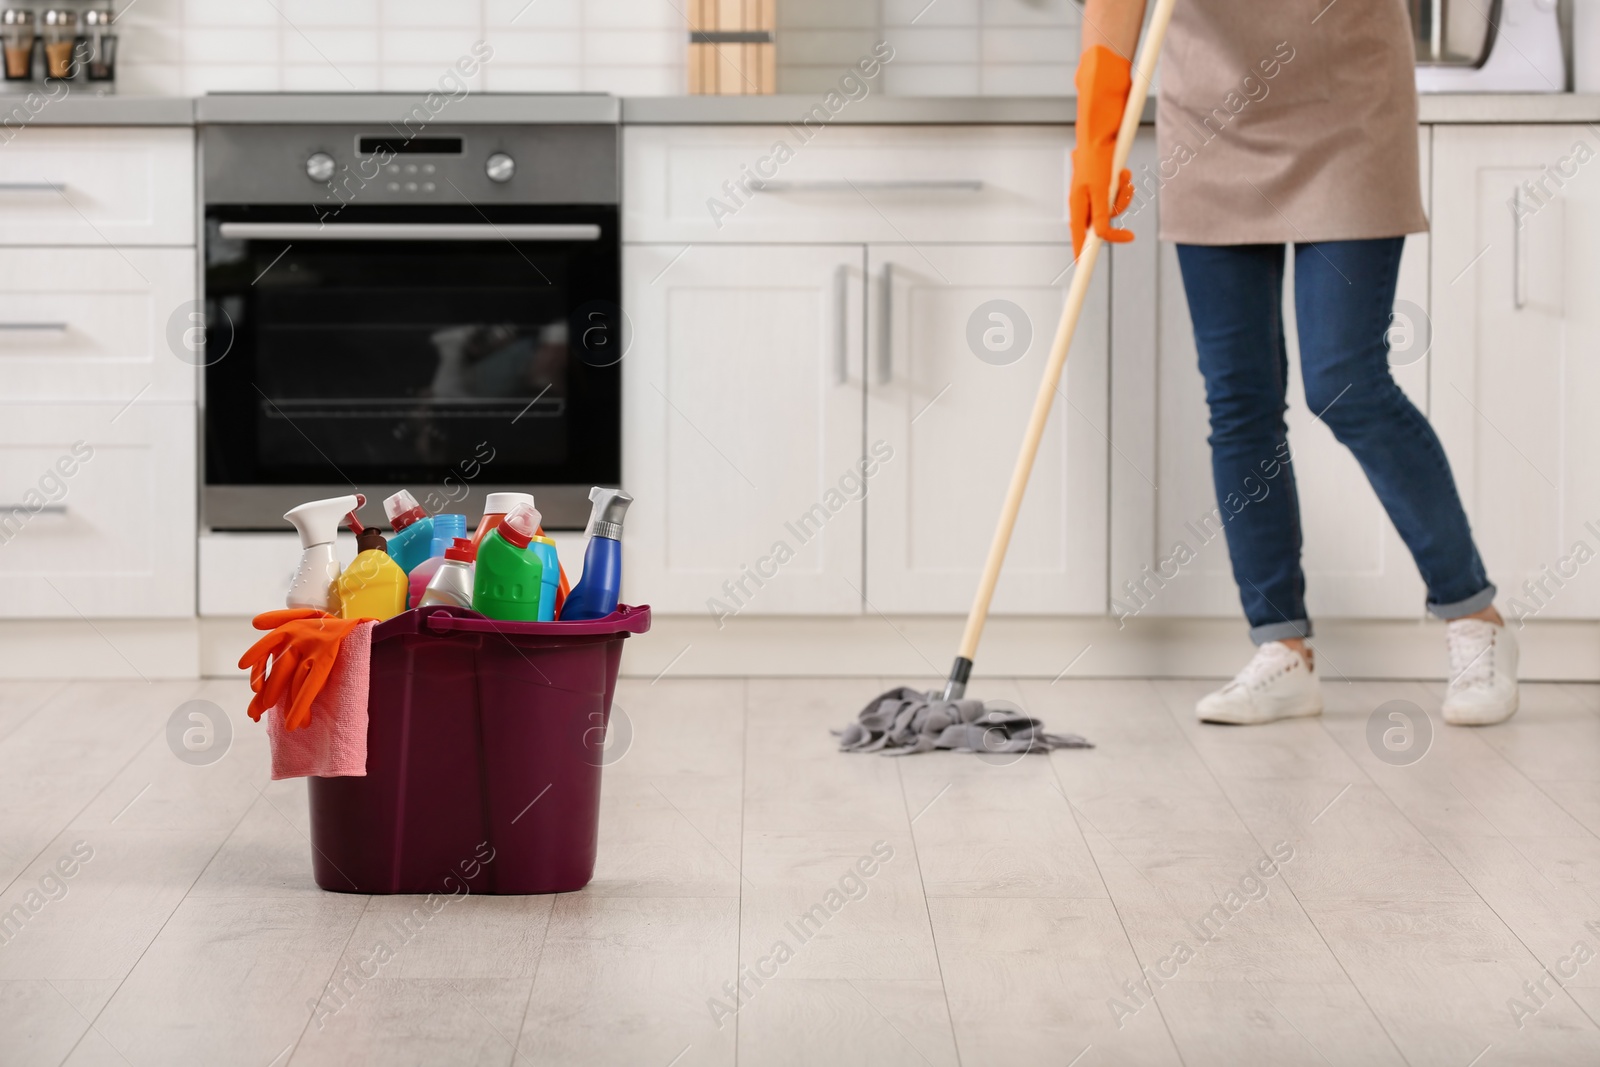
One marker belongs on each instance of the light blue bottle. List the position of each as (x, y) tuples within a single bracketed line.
[(446, 528), (596, 594), (550, 577)]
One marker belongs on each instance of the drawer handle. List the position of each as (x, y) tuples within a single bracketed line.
[(33, 187), (39, 327), (47, 509), (955, 185)]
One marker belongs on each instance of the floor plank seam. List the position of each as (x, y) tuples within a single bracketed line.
[(1211, 772), (156, 936), (1072, 809), (933, 934)]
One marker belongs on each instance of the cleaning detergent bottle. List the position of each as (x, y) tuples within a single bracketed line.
[(373, 586), (446, 528), (595, 596), (413, 530), (549, 577), (318, 525), (495, 506), (507, 578), (451, 584)]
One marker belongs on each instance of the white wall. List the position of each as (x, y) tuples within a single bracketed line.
[(627, 47)]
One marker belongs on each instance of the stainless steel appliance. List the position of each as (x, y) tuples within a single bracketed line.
[(1488, 46), (426, 305)]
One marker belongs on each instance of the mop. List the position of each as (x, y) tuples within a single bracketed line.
[(906, 720)]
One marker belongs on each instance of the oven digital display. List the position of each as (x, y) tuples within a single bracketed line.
[(416, 146)]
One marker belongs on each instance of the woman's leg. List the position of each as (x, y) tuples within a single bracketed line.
[(1344, 296), (1235, 295)]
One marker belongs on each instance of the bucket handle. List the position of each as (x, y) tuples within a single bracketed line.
[(441, 619)]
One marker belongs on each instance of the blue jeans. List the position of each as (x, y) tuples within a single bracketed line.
[(1344, 295)]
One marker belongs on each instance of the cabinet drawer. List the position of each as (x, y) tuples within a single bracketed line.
[(847, 184), (92, 324), (97, 511), (97, 186)]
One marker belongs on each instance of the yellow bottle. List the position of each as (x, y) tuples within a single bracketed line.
[(373, 586)]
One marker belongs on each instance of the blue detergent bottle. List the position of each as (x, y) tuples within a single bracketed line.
[(596, 594), (413, 530)]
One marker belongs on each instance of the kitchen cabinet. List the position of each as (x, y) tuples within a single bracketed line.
[(742, 415), (808, 183), (958, 336), (901, 238), (97, 324), (97, 511), (98, 186), (1516, 382), (97, 389), (1161, 485)]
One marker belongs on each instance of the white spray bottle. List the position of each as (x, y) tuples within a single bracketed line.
[(318, 524)]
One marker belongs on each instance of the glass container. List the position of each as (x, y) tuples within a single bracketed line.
[(17, 37)]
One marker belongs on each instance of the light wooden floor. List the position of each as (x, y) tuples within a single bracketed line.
[(1018, 901)]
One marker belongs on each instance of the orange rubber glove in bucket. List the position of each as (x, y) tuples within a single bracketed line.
[(302, 647), (1104, 81)]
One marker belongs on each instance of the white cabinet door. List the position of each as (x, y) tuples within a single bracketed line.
[(1355, 562), (742, 397), (959, 337), (97, 511), (1516, 381)]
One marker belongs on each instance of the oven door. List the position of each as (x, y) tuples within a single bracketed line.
[(447, 350)]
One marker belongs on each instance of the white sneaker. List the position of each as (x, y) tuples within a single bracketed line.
[(1483, 673), (1276, 684)]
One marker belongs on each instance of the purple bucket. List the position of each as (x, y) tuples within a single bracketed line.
[(485, 741)]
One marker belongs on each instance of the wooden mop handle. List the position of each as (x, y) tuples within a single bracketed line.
[(1144, 71)]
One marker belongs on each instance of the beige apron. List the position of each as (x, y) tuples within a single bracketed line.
[(1287, 120)]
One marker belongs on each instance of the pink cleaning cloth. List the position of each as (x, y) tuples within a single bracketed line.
[(334, 743)]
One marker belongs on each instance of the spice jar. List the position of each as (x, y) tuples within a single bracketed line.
[(101, 42), (17, 35), (60, 34)]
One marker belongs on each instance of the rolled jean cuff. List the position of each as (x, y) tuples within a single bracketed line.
[(1470, 606), (1278, 631)]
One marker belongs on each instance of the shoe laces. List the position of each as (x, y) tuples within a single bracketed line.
[(1471, 643), (1271, 661)]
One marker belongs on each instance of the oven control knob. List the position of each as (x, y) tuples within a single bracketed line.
[(500, 167), (319, 167)]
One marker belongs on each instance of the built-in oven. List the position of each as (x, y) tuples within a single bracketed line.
[(385, 309)]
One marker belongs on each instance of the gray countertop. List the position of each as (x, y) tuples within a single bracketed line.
[(79, 108), (83, 108)]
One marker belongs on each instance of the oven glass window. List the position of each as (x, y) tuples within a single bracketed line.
[(393, 360)]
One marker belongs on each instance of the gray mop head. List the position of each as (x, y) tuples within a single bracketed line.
[(906, 721)]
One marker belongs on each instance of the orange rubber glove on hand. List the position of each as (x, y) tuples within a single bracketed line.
[(303, 645), (1104, 80)]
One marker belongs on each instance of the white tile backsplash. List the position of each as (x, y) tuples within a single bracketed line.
[(305, 13), (632, 47)]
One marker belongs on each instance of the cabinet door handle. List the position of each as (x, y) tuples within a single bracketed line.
[(47, 509), (886, 329), (892, 185), (841, 325), (51, 327), (33, 187), (1519, 297)]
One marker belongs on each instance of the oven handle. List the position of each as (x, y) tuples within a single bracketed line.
[(410, 231)]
